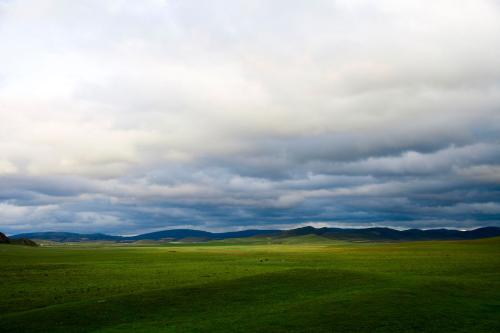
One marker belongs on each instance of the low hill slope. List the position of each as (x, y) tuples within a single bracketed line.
[(18, 241), (4, 239)]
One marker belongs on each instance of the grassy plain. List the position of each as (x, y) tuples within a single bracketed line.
[(305, 285)]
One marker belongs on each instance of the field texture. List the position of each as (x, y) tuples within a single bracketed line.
[(307, 285)]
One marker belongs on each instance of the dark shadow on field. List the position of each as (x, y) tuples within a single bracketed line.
[(299, 300)]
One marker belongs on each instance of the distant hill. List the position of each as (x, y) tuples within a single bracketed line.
[(189, 235), (186, 235), (23, 241), (66, 236), (247, 233), (388, 234), (17, 241), (174, 234), (4, 239)]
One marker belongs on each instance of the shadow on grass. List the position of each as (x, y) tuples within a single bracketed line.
[(301, 300)]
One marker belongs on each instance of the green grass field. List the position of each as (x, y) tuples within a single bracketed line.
[(306, 285)]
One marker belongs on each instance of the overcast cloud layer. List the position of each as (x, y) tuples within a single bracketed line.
[(132, 116)]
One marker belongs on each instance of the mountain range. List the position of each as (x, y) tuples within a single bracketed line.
[(190, 235)]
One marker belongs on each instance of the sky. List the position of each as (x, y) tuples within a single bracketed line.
[(133, 116)]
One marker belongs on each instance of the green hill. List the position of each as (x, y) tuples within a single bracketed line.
[(16, 241)]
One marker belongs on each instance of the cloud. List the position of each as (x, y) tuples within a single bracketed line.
[(487, 174), (224, 115)]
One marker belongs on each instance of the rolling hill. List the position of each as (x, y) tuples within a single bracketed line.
[(16, 241), (189, 235), (66, 236), (388, 234)]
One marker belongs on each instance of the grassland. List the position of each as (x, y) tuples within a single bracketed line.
[(304, 285)]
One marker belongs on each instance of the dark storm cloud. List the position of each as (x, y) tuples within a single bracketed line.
[(126, 117)]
